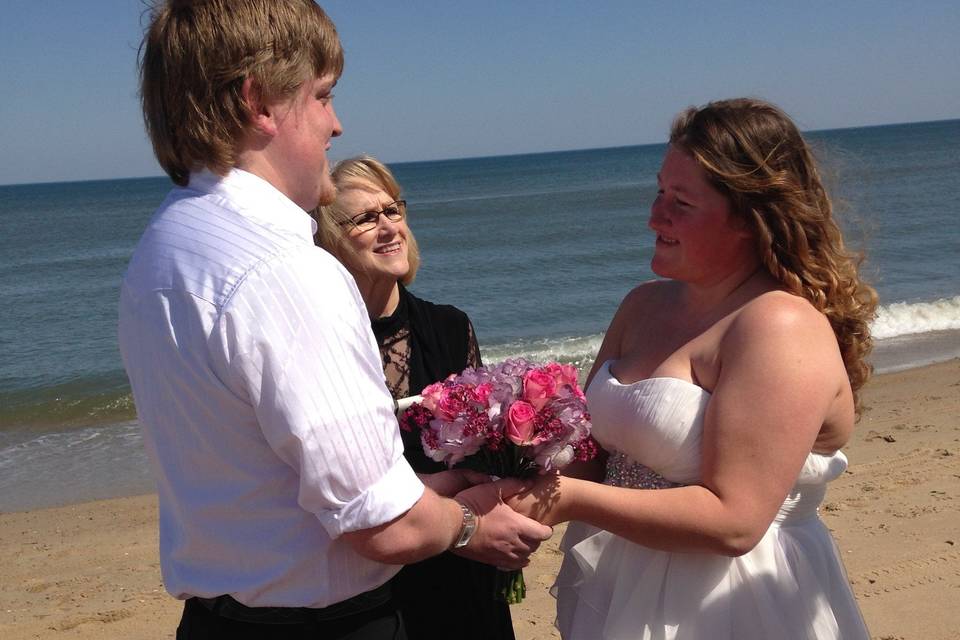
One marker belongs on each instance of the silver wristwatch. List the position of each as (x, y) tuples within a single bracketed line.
[(467, 527)]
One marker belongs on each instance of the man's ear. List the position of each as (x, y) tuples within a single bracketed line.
[(260, 115)]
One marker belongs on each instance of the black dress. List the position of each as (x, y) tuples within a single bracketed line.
[(445, 596)]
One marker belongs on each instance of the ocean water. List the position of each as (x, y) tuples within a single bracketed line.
[(539, 250)]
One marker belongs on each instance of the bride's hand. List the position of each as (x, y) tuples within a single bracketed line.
[(452, 481), (543, 501)]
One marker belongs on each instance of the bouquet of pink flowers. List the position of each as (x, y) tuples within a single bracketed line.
[(514, 419)]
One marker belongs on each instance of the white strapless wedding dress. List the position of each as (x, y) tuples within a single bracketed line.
[(792, 585)]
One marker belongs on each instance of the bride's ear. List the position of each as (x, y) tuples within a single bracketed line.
[(261, 117)]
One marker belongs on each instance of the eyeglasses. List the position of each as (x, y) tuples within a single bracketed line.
[(368, 220)]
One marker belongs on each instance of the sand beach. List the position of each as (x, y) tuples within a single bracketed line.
[(91, 570)]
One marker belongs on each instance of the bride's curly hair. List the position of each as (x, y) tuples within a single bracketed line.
[(755, 155)]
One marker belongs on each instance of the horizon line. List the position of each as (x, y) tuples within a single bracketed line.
[(485, 157)]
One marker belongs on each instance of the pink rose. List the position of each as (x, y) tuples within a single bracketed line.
[(562, 373), (431, 396), (450, 404), (483, 392), (520, 417), (554, 369), (538, 388), (565, 375)]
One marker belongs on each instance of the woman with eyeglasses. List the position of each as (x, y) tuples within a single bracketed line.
[(420, 343)]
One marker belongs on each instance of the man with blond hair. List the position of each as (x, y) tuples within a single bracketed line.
[(286, 505)]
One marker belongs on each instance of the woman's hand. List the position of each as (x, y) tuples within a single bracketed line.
[(544, 501), (452, 481)]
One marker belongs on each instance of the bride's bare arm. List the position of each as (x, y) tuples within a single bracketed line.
[(781, 376)]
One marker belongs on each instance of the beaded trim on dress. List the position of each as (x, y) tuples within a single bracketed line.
[(624, 472)]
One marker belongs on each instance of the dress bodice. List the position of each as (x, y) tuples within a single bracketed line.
[(658, 423)]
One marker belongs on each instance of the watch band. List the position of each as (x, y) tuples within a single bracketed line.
[(467, 528)]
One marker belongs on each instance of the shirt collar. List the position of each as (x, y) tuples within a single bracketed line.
[(254, 197)]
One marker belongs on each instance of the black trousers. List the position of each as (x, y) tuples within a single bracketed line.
[(380, 623)]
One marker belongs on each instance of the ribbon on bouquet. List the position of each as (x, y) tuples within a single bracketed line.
[(401, 405)]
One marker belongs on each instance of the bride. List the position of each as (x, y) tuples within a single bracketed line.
[(722, 396)]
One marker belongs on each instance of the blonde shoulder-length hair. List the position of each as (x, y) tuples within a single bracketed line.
[(333, 222)]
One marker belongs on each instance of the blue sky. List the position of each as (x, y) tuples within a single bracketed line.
[(456, 78)]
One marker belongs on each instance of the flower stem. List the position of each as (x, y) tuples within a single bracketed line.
[(511, 587)]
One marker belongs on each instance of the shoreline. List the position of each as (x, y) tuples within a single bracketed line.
[(90, 570), (99, 461), (914, 351)]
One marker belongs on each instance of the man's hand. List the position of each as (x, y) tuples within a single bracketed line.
[(504, 538), (452, 481)]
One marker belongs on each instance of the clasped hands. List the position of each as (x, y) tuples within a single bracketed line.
[(507, 510)]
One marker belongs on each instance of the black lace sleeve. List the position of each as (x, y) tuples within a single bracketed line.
[(473, 349), (443, 341)]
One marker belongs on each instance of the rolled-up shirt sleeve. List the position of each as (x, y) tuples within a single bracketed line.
[(298, 343)]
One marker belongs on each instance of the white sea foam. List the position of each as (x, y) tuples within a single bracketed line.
[(893, 323), (902, 318), (578, 351)]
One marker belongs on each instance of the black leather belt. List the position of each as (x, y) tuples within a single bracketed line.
[(226, 607)]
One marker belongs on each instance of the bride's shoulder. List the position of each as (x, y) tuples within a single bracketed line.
[(639, 302), (650, 292), (779, 313), (783, 337)]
